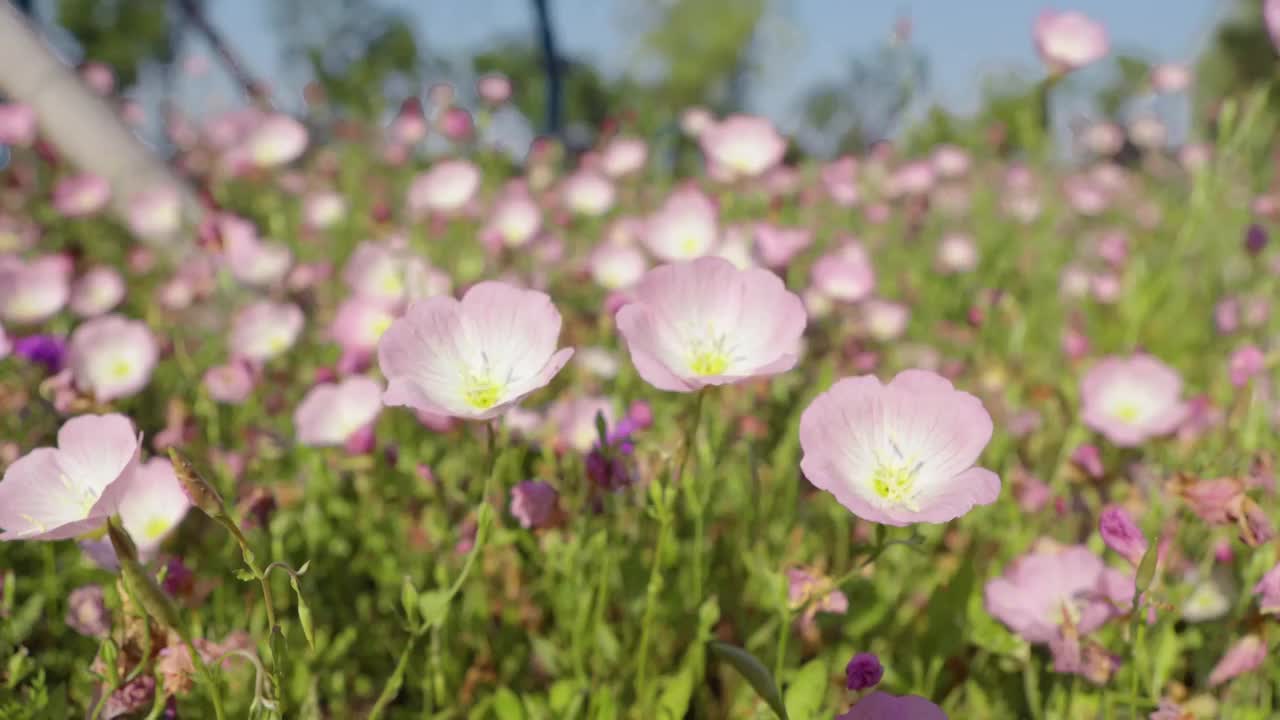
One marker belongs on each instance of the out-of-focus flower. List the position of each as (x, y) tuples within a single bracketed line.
[(617, 267), (230, 383), (588, 193), (321, 210), (1170, 77), (778, 245), (533, 503), (1069, 40), (494, 88), (17, 124), (1088, 458), (475, 358), (915, 441), (885, 320), (844, 274), (574, 420), (1122, 534), (911, 179), (1226, 315), (97, 291), (33, 291), (1245, 363), (863, 671), (155, 213), (684, 228), (1246, 655), (1130, 400), (1271, 18), (623, 156), (696, 120), (47, 350), (950, 161), (87, 611), (277, 140), (883, 706), (742, 146), (175, 666), (1269, 590), (957, 253), (456, 124), (357, 326), (265, 329), (99, 77), (254, 262), (59, 493), (515, 219), (112, 356), (330, 413), (1207, 601), (446, 187), (704, 322), (1043, 591)]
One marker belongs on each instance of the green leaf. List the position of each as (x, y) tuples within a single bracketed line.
[(807, 690), (434, 605), (244, 575), (673, 704), (409, 600), (561, 695), (754, 672), (507, 705)]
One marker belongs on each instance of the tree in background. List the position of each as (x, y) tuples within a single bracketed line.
[(126, 35), (1240, 57)]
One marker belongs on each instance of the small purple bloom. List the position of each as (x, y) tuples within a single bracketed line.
[(1255, 239), (87, 612), (863, 671), (1122, 534), (1089, 459), (533, 503), (1269, 588), (1245, 363), (47, 350)]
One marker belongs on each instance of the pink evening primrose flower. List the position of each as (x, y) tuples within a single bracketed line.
[(623, 156), (617, 267), (277, 140), (494, 88), (1069, 40), (474, 358), (899, 453), (17, 124), (705, 322), (254, 262), (685, 227), (1043, 590), (1245, 363), (358, 324), (844, 274), (574, 420), (883, 706), (331, 413), (1132, 399), (321, 210), (59, 493), (81, 195), (97, 291), (155, 213), (445, 188), (33, 291), (265, 329), (1269, 590), (777, 245), (153, 507), (230, 383), (112, 356), (515, 218), (588, 193), (742, 146)]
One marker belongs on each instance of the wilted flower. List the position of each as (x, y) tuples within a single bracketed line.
[(1130, 400), (474, 358), (684, 228), (97, 291), (899, 453), (445, 188), (59, 493), (863, 671), (33, 291), (331, 413), (112, 356), (1246, 655), (704, 322), (265, 329), (1122, 534), (533, 503), (1069, 40), (1041, 591), (742, 146), (883, 706)]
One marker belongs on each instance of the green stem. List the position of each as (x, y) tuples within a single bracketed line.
[(699, 508), (392, 687), (784, 634), (650, 605), (202, 669)]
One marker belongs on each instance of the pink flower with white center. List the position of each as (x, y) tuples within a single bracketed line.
[(1069, 40), (742, 146), (705, 322), (1246, 655), (255, 262), (588, 193), (574, 420), (331, 413), (423, 281), (321, 210), (81, 195), (899, 453), (59, 493), (17, 124), (844, 274), (912, 179), (957, 253), (777, 246), (516, 218), (112, 356), (1130, 400), (97, 291), (475, 358), (1271, 18), (359, 323), (950, 161), (1170, 77), (885, 320), (696, 120), (883, 706), (277, 140), (1269, 590), (1147, 131), (155, 213), (623, 156), (33, 291), (446, 188), (265, 330), (1245, 363), (494, 88), (410, 124), (617, 267), (736, 247), (685, 227), (377, 272), (231, 383), (1046, 589), (1103, 139), (152, 508)]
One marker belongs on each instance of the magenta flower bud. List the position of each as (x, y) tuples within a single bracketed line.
[(1122, 534), (1269, 590), (863, 671), (1255, 239), (1243, 657), (1089, 459)]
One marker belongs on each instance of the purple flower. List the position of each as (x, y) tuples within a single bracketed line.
[(1245, 656), (1269, 588), (1255, 239), (863, 671), (1047, 589), (1089, 459), (1122, 534), (47, 350), (883, 706), (533, 503), (1245, 363)]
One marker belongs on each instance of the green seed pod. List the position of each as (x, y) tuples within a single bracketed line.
[(198, 490)]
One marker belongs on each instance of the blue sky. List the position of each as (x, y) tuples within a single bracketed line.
[(965, 39)]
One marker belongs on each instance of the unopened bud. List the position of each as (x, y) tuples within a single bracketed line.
[(198, 490), (141, 586)]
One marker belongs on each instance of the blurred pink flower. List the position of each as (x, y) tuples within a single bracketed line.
[(911, 179), (475, 358), (81, 195), (704, 322), (1271, 18), (574, 420), (777, 245), (97, 291), (494, 88), (696, 120), (533, 503), (358, 324), (230, 383), (844, 274), (1246, 655), (885, 320), (1245, 363), (950, 161), (255, 262), (957, 253), (623, 156), (155, 213), (617, 267), (6, 346), (99, 77), (33, 291), (376, 272), (265, 329), (515, 218), (17, 124), (330, 413), (1122, 534), (59, 493), (883, 706), (277, 140), (1170, 77), (1226, 315), (840, 180), (899, 453), (1269, 588), (456, 124), (87, 611), (112, 356), (446, 188), (588, 193), (1088, 458), (684, 228), (1044, 590), (1130, 400), (1069, 40), (742, 146), (321, 210)]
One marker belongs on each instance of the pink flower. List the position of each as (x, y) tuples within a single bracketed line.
[(533, 503), (358, 324), (950, 161), (588, 193), (97, 291), (912, 179), (1269, 588), (778, 245), (265, 329), (252, 261), (81, 195), (885, 320), (684, 228), (112, 356), (1044, 590), (617, 267), (899, 453), (98, 76), (277, 140), (446, 188), (957, 253), (34, 291), (59, 493), (1069, 40), (17, 124), (330, 413), (153, 507), (1122, 534), (623, 156), (494, 88), (574, 420), (1245, 656), (515, 218), (1130, 400), (844, 274), (1245, 363), (321, 210), (155, 213), (6, 346), (742, 146), (475, 358), (883, 706), (1271, 17), (230, 383), (704, 322)]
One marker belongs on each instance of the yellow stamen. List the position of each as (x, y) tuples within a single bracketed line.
[(482, 393), (709, 362), (155, 528)]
